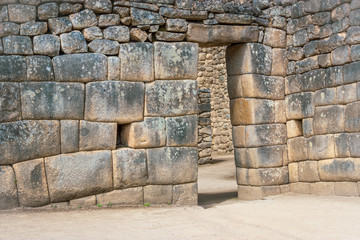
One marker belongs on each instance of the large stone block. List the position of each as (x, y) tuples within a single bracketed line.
[(349, 189), (269, 176), (182, 131), (185, 194), (97, 136), (39, 68), (345, 169), (299, 106), (275, 38), (221, 33), (249, 193), (352, 117), (266, 134), (322, 188), (342, 145), (308, 171), (172, 165), (137, 62), (113, 101), (83, 202), (69, 136), (326, 96), (146, 134), (20, 45), (329, 119), (24, 140), (294, 128), (21, 13), (31, 183), (47, 44), (251, 111), (144, 17), (73, 42), (279, 62), (171, 98), (242, 176), (248, 58), (234, 86), (129, 167), (354, 144), (8, 191), (10, 102), (340, 55), (352, 72), (297, 149), (158, 194), (238, 136), (300, 188), (52, 100), (12, 68), (176, 60), (260, 86), (80, 67), (78, 175), (124, 197), (83, 19), (262, 157)]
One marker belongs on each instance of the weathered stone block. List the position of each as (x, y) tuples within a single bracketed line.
[(48, 10), (60, 25), (267, 134), (251, 111), (138, 35), (83, 19), (346, 93), (9, 28), (73, 42), (10, 102), (114, 68), (358, 91), (83, 202), (176, 25), (262, 157), (104, 46), (324, 60), (307, 126), (107, 20), (47, 44), (69, 136), (275, 38), (238, 136), (354, 145), (92, 33), (345, 169), (353, 35), (355, 53), (325, 96), (297, 149), (68, 8), (169, 36), (20, 45), (249, 193), (269, 176), (124, 197), (172, 165), (117, 33), (31, 183), (51, 100), (321, 147), (279, 62), (354, 19), (242, 174), (352, 72), (234, 86), (182, 131), (248, 58), (294, 128), (352, 117), (17, 140), (77, 175), (355, 4), (182, 13), (111, 101), (322, 188), (99, 6), (33, 28), (201, 33), (80, 67), (293, 84), (21, 13), (349, 189), (97, 136), (300, 188), (147, 134), (329, 119), (308, 171), (300, 38), (293, 172), (340, 55), (8, 191), (137, 62), (129, 168), (342, 145), (300, 105), (176, 60), (260, 86), (39, 68), (158, 194), (171, 98), (280, 111), (185, 194)]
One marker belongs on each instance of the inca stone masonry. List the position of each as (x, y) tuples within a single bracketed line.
[(99, 100)]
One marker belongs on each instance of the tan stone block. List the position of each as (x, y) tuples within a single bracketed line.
[(352, 116), (249, 193), (294, 128), (346, 93), (114, 68), (321, 147), (344, 169), (129, 197), (238, 136), (266, 134), (322, 188), (185, 194), (83, 202), (307, 127), (234, 86), (329, 119), (275, 38), (348, 189), (31, 183), (260, 86), (8, 190), (299, 106), (97, 136), (280, 111), (279, 62), (300, 187), (270, 190), (242, 176), (293, 172), (269, 176), (308, 171), (158, 194), (268, 156), (69, 136), (284, 188), (297, 149)]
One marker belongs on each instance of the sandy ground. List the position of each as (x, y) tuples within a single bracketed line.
[(219, 216)]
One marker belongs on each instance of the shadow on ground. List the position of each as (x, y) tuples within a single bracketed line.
[(207, 200)]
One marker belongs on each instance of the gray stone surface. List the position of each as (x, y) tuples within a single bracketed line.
[(124, 197), (99, 6), (17, 140), (129, 167), (104, 46), (31, 183), (266, 134), (185, 194), (329, 119), (92, 33), (142, 17), (68, 8), (261, 157), (12, 68), (20, 45), (158, 194), (320, 147), (172, 165), (176, 60), (33, 28), (47, 44), (114, 68), (78, 175), (353, 35), (137, 62), (8, 191), (83, 19), (48, 10), (300, 105), (355, 52), (176, 25), (73, 42), (352, 117), (97, 136), (60, 25), (39, 68), (182, 131), (69, 130), (10, 109), (83, 202), (269, 176), (117, 33), (344, 169), (171, 98), (80, 67), (138, 35), (169, 36), (146, 134), (183, 13), (21, 13), (121, 102), (354, 19), (9, 28), (260, 86), (352, 72), (107, 20), (52, 100)]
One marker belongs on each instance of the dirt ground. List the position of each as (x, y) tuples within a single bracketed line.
[(219, 216)]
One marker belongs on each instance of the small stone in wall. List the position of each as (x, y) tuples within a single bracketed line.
[(68, 8), (104, 46), (141, 17), (83, 19), (60, 25), (20, 45), (170, 36), (229, 18), (122, 11), (92, 33), (33, 28), (20, 13), (47, 44), (48, 10), (117, 33), (99, 6), (4, 14), (126, 21), (138, 35), (157, 194), (8, 190), (176, 25), (9, 28), (73, 42), (107, 20)]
